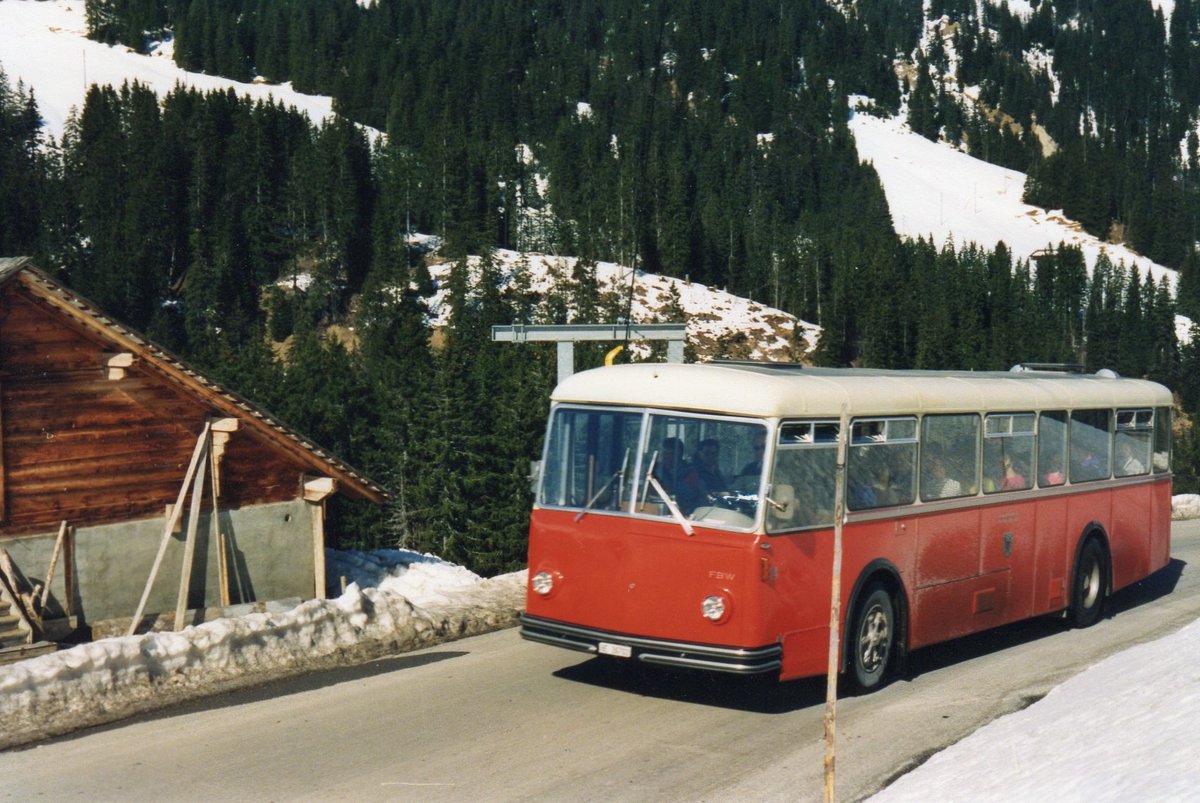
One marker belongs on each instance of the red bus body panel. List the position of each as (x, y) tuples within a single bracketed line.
[(962, 568)]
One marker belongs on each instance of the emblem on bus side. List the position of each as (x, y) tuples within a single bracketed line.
[(720, 575)]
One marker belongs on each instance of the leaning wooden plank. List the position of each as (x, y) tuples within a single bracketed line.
[(58, 542), (176, 511), (10, 593), (189, 549)]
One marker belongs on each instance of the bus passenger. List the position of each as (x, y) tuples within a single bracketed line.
[(943, 487), (703, 477), (1130, 465), (1053, 475), (1012, 480), (754, 467), (669, 467)]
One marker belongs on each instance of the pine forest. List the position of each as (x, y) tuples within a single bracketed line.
[(610, 130)]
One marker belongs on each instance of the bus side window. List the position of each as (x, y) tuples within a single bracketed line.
[(803, 476), (949, 456), (881, 464), (1008, 452), (1052, 448), (1135, 429), (1162, 440), (1091, 442)]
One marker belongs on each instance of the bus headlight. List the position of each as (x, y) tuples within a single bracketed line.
[(542, 583), (714, 607)]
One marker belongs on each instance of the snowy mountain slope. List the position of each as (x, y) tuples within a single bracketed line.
[(933, 189), (940, 193), (44, 44)]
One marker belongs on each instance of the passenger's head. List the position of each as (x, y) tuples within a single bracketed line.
[(709, 450)]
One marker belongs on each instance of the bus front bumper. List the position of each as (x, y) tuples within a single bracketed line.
[(734, 660)]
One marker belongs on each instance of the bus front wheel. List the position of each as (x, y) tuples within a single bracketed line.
[(1089, 586), (872, 638)]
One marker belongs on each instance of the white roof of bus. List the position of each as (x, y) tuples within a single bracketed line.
[(782, 389)]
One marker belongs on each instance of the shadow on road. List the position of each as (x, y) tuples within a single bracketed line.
[(938, 656), (760, 695), (767, 696), (1156, 586)]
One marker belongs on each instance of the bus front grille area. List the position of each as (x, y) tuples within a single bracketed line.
[(733, 660)]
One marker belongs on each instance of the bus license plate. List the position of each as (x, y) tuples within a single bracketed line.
[(619, 650)]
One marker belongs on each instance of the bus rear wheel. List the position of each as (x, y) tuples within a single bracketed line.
[(1089, 586), (872, 638)]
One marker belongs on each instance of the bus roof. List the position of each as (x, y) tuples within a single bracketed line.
[(791, 390)]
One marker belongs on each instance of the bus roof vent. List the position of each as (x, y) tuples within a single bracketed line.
[(779, 366), (1062, 367), (1108, 373)]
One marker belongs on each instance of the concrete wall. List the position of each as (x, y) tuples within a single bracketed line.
[(270, 549)]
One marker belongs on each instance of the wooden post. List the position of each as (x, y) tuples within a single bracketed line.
[(170, 528), (835, 607), (215, 525), (58, 543), (69, 572), (315, 493), (189, 547)]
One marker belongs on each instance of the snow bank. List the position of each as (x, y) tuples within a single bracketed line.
[(420, 601), (1123, 729), (1185, 506)]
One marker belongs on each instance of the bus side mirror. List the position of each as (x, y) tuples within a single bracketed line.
[(782, 502)]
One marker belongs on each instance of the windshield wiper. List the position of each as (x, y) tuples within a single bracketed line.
[(649, 474), (676, 513), (619, 473)]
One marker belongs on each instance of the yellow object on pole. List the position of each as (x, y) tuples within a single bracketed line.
[(612, 355), (835, 607)]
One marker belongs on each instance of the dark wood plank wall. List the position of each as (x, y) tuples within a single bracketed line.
[(75, 445)]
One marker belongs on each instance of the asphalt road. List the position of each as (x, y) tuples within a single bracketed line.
[(497, 718)]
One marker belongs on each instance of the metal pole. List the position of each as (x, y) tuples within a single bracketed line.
[(566, 359), (835, 607)]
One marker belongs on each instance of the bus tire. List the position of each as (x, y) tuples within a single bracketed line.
[(872, 638), (1089, 585)]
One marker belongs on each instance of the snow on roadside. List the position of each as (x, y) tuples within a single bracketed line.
[(1123, 729), (1185, 506), (420, 601)]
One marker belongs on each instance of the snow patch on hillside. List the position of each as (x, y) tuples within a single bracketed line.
[(44, 45), (717, 321)]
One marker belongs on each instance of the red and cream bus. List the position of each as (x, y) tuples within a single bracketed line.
[(684, 514)]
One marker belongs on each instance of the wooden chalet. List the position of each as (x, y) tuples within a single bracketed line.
[(135, 484)]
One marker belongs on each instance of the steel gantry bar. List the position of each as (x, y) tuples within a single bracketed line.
[(566, 335)]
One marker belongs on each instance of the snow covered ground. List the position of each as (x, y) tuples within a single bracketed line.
[(1123, 729), (396, 601)]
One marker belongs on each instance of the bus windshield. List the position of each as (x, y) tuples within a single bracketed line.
[(708, 468)]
